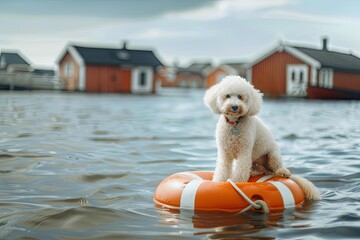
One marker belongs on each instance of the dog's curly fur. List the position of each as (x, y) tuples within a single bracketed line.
[(252, 150)]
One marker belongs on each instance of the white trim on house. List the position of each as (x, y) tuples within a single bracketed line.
[(292, 51), (139, 85), (80, 62), (82, 67), (264, 54), (249, 75), (302, 56), (296, 80), (326, 78)]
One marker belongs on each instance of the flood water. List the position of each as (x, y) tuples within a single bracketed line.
[(85, 166)]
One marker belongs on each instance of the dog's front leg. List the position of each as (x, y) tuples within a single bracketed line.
[(275, 164), (242, 168), (223, 167)]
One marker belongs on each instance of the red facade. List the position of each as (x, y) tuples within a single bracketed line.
[(108, 79), (269, 75), (344, 80)]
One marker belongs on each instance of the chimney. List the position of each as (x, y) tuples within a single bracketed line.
[(124, 44), (324, 43)]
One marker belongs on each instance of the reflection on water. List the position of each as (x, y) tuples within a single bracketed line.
[(78, 166)]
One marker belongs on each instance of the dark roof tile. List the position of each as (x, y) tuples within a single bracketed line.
[(12, 58), (331, 59), (118, 56)]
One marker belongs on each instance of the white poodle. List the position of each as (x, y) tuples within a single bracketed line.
[(245, 146)]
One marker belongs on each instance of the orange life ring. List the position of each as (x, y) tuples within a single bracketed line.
[(195, 191)]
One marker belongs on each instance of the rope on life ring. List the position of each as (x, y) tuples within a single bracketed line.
[(257, 204)]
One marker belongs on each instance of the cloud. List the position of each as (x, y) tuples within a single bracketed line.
[(225, 8), (157, 33), (314, 18), (124, 9)]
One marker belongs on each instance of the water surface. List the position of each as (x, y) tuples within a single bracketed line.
[(85, 166)]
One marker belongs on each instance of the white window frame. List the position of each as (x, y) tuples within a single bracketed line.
[(294, 86), (136, 87), (326, 78), (68, 69)]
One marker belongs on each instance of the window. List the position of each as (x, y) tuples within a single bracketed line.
[(301, 77), (326, 78), (68, 69), (142, 79), (293, 76)]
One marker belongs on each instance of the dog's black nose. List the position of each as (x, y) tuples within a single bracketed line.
[(234, 107)]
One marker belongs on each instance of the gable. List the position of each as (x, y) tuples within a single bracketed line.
[(289, 50)]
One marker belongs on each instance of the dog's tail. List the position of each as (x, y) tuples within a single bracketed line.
[(308, 188)]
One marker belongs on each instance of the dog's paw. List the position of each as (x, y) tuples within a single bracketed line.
[(254, 173), (283, 172)]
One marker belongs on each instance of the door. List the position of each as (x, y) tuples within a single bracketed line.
[(142, 80), (296, 80)]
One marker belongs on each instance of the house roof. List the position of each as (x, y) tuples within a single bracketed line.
[(117, 56), (201, 67), (241, 66), (319, 58), (331, 59), (12, 58)]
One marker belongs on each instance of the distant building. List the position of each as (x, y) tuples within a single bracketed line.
[(14, 61), (108, 70), (297, 71), (188, 78), (218, 73), (201, 67), (17, 72), (192, 76)]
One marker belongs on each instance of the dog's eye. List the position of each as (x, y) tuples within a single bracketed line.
[(228, 96), (239, 97)]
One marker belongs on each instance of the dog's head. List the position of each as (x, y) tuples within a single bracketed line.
[(233, 97)]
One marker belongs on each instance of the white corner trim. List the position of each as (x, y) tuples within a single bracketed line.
[(82, 67), (264, 54), (303, 57), (249, 75)]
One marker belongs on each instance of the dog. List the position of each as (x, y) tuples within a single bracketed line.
[(245, 146)]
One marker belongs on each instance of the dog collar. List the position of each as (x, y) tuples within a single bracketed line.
[(232, 122)]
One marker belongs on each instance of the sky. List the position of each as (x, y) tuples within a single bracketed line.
[(179, 31)]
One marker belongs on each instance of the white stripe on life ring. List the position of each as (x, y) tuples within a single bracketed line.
[(286, 194), (188, 195), (264, 178), (191, 175)]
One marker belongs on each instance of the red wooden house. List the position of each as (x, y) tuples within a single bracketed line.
[(192, 76), (296, 71), (110, 70), (218, 73)]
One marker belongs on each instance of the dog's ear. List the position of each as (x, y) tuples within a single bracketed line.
[(255, 101), (210, 98)]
